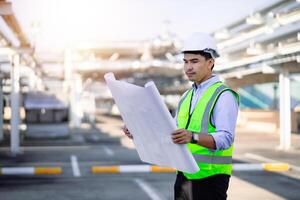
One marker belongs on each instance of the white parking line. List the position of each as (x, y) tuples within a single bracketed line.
[(150, 191), (108, 151), (75, 166), (265, 159)]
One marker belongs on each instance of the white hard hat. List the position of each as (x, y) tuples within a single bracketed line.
[(201, 42)]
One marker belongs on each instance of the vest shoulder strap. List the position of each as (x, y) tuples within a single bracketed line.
[(226, 88)]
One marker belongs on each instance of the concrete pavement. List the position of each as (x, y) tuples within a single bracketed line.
[(105, 144)]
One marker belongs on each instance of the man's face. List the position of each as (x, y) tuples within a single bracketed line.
[(197, 68)]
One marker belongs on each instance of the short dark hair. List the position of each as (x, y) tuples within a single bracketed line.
[(202, 53)]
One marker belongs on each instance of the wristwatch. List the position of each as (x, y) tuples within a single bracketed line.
[(194, 138)]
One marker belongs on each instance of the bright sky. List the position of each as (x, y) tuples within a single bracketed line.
[(63, 22)]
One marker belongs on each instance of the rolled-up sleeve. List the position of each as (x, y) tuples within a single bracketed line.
[(224, 118)]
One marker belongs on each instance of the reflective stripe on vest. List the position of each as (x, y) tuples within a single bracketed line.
[(206, 115), (213, 159), (210, 162)]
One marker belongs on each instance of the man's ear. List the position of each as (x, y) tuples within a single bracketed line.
[(211, 63)]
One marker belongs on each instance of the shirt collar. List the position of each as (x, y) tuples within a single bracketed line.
[(206, 83)]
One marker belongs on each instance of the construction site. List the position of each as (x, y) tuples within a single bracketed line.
[(61, 132)]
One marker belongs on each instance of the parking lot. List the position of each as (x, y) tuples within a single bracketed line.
[(104, 145)]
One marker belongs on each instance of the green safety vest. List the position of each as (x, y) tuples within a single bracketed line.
[(209, 162)]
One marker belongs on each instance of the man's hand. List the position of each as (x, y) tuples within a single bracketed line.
[(182, 136), (127, 133)]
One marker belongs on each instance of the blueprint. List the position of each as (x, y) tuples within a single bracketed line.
[(149, 121)]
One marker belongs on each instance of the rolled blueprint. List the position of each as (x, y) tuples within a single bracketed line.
[(149, 121)]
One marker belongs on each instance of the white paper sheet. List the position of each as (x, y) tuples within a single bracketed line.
[(149, 121)]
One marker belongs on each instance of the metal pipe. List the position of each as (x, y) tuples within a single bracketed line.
[(8, 33)]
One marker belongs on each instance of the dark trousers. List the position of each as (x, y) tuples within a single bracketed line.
[(210, 188)]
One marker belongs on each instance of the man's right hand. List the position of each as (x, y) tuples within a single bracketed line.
[(127, 133)]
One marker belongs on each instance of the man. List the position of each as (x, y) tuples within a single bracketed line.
[(206, 119)]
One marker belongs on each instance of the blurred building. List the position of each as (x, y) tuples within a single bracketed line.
[(260, 57)]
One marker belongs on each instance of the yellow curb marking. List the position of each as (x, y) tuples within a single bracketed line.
[(276, 166), (158, 169), (107, 169), (48, 170)]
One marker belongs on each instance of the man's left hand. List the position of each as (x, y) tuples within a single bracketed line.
[(182, 136)]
